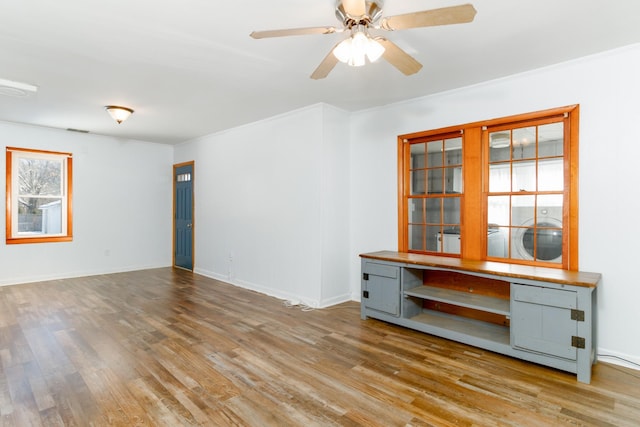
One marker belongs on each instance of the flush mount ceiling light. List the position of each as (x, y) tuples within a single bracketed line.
[(17, 89), (500, 139), (119, 114)]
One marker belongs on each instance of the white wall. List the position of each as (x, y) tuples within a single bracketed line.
[(284, 206), (265, 197), (607, 88), (121, 207), (335, 207)]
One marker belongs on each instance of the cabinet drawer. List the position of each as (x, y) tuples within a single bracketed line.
[(383, 270), (544, 296)]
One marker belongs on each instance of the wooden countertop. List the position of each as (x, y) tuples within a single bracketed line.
[(545, 274)]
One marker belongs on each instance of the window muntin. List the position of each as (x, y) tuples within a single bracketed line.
[(526, 191), (544, 167), (38, 196), (433, 205), (183, 177)]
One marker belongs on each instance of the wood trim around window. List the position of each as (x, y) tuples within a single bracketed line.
[(68, 236), (473, 203), (403, 244)]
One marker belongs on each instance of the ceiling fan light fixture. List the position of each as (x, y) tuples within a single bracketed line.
[(358, 17), (374, 50), (119, 114), (353, 50), (358, 50), (343, 50)]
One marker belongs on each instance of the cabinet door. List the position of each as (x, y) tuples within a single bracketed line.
[(381, 287), (541, 320)]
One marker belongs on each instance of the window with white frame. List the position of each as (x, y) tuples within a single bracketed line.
[(39, 196)]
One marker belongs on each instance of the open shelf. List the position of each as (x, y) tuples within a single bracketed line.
[(475, 328), (462, 299), (521, 311)]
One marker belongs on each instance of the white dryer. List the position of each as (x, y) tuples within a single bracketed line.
[(496, 243), (449, 242), (547, 233)]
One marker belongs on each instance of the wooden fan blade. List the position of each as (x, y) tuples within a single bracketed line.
[(325, 66), (292, 32), (430, 18), (354, 8), (398, 57)]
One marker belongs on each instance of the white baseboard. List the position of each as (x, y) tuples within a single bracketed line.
[(617, 358), (75, 274), (276, 293)]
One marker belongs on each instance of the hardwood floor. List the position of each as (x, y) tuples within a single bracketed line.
[(166, 347)]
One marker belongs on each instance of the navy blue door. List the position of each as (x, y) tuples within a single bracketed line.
[(183, 215)]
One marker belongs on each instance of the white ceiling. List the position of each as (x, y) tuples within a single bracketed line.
[(189, 67)]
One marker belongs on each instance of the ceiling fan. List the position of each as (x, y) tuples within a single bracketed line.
[(360, 16)]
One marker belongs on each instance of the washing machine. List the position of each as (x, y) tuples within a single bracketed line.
[(547, 233)]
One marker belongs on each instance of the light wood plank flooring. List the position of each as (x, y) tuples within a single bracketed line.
[(165, 347)]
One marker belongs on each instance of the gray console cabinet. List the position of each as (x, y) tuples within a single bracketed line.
[(549, 312)]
